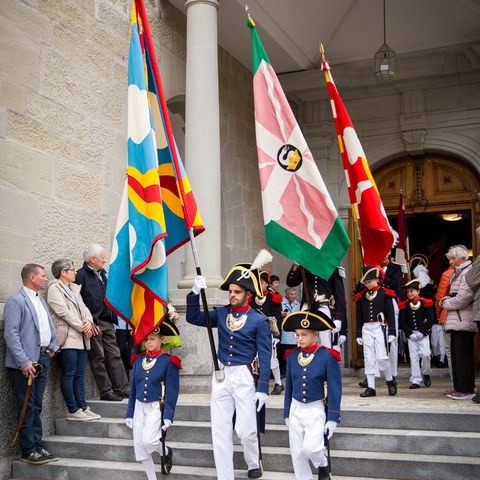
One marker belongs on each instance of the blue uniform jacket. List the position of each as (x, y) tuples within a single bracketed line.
[(305, 384), (240, 347), (146, 385)]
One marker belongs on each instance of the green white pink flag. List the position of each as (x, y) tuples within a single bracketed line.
[(301, 221)]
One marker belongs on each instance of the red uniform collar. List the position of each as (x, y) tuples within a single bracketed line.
[(241, 309), (156, 353), (310, 349)]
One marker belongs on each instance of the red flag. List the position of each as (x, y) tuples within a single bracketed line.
[(402, 252), (367, 207)]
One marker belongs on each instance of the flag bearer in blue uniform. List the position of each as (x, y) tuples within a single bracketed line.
[(375, 328), (417, 315), (243, 333), (151, 369), (308, 414)]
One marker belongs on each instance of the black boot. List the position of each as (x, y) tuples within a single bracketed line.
[(427, 380), (254, 473), (363, 383), (369, 392), (323, 473), (392, 388)]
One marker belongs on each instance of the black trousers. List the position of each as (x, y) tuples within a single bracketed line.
[(463, 366)]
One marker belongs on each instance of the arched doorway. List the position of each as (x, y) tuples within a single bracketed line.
[(441, 196)]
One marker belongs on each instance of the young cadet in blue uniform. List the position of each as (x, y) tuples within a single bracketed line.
[(375, 328), (417, 315), (143, 416), (243, 333), (309, 368)]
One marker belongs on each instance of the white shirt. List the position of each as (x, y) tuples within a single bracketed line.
[(42, 316)]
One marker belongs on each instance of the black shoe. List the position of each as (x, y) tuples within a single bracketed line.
[(441, 365), (254, 473), (392, 388), (122, 393), (369, 392), (277, 389), (34, 458), (111, 397), (414, 386), (427, 380), (476, 398), (47, 455), (323, 473), (363, 383), (168, 462)]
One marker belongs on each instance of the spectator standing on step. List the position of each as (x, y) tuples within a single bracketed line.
[(74, 329), (104, 354), (460, 325), (30, 344), (288, 340)]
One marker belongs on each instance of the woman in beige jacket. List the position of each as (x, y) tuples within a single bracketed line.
[(74, 328)]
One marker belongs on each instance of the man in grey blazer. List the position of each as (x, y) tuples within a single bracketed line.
[(30, 340)]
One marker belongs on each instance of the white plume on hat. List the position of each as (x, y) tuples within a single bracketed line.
[(421, 273), (263, 257), (396, 236)]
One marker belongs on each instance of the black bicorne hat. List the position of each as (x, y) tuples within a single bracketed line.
[(370, 272), (313, 319), (241, 275), (413, 284), (166, 329)]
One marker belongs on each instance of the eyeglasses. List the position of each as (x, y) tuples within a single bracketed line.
[(70, 270), (303, 335)]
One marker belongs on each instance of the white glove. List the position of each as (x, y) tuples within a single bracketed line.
[(129, 422), (391, 338), (287, 422), (166, 424), (262, 398), (338, 326), (198, 284), (360, 341), (330, 427), (342, 339)]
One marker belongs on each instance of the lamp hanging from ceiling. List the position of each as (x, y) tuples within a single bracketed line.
[(385, 56)]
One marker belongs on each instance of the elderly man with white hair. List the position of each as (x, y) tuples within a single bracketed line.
[(104, 355), (460, 324)]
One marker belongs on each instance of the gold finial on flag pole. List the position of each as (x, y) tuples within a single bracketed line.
[(322, 51)]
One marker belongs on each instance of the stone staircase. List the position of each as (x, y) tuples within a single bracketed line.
[(369, 443)]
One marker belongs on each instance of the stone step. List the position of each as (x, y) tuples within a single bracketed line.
[(349, 464), (345, 438), (78, 469), (415, 419)]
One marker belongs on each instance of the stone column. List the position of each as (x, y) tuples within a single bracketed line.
[(202, 136)]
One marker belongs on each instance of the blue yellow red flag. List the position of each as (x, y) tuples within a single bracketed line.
[(138, 278)]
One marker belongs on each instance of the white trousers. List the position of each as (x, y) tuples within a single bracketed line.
[(235, 394), (419, 350), (374, 351), (305, 434), (393, 355), (325, 336), (274, 360), (147, 430), (438, 341)]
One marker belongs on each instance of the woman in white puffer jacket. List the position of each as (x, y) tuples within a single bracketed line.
[(460, 325)]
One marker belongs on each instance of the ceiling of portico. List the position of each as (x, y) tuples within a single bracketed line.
[(351, 30)]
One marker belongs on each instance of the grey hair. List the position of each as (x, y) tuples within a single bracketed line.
[(93, 250), (289, 289), (30, 269), (458, 251), (58, 266)]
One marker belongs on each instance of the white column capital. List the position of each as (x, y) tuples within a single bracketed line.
[(213, 3)]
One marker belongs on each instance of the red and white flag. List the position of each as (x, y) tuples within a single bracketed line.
[(375, 232)]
